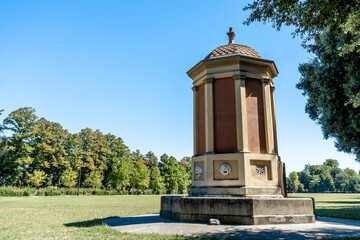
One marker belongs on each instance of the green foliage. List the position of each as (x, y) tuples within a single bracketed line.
[(151, 161), (21, 123), (52, 192), (293, 182), (4, 158), (325, 178), (15, 192), (331, 80), (156, 180), (304, 179), (120, 175), (37, 178), (140, 176), (69, 178), (350, 172), (41, 153), (184, 179), (49, 153), (93, 179), (310, 18), (333, 163), (177, 176), (169, 171)]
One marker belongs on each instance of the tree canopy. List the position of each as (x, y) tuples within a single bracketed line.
[(41, 153), (331, 80), (327, 177)]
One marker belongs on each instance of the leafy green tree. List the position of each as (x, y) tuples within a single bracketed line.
[(140, 176), (304, 179), (334, 167), (330, 80), (94, 151), (49, 152), (4, 158), (354, 184), (170, 172), (156, 180), (120, 174), (321, 179), (342, 182), (37, 178), (331, 163), (1, 129), (73, 149), (293, 183), (22, 123), (310, 18), (183, 178), (350, 172), (69, 178), (118, 152), (151, 161), (186, 162), (93, 179), (314, 183)]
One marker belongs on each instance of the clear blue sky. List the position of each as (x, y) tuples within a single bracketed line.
[(120, 66)]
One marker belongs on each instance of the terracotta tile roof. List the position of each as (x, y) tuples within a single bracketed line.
[(231, 49)]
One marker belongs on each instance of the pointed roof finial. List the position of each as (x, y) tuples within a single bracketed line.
[(231, 35)]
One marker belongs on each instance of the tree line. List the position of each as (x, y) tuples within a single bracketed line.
[(36, 152), (327, 177)]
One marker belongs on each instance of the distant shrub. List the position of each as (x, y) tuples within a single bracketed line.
[(114, 192), (98, 192), (71, 191), (40, 192), (53, 191), (148, 192), (123, 192), (15, 192)]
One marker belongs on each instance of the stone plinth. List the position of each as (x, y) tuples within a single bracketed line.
[(238, 210)]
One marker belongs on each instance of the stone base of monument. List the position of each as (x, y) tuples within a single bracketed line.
[(238, 210)]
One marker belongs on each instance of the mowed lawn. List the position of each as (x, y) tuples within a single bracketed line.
[(338, 205), (72, 217)]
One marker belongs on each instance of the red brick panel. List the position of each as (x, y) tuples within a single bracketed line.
[(200, 120), (255, 116), (224, 115)]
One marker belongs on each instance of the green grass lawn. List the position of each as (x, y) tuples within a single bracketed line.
[(336, 205), (72, 217)]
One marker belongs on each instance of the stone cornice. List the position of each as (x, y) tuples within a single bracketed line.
[(236, 61)]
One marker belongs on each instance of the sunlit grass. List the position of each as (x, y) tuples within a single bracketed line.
[(72, 217), (336, 205)]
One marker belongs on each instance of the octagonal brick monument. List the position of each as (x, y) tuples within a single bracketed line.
[(237, 175)]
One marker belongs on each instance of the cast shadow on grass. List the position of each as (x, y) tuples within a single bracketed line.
[(340, 202), (237, 231), (144, 219), (89, 223)]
